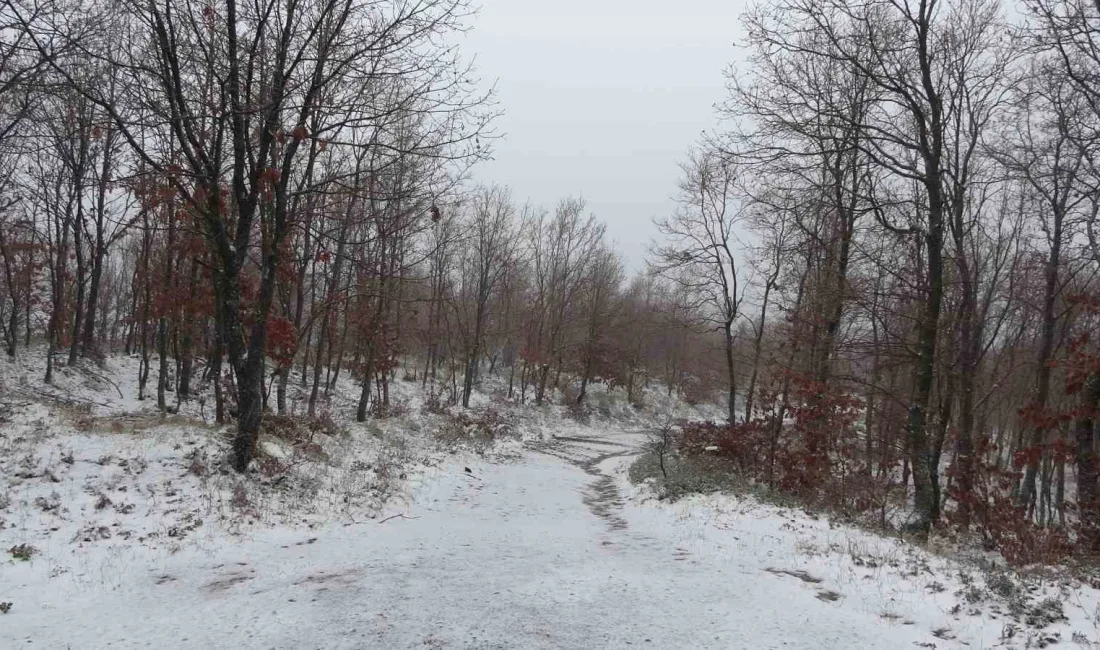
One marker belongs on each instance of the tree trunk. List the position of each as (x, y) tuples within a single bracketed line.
[(280, 389), (1043, 369), (468, 379), (757, 345), (731, 372), (925, 472), (78, 300), (1085, 459)]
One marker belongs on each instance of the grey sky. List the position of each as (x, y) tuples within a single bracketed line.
[(602, 98)]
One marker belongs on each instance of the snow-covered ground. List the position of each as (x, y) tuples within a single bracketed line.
[(390, 541)]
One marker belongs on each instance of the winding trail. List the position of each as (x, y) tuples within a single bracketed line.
[(541, 553)]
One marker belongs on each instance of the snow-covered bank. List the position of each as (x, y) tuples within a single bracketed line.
[(925, 598), (96, 484)]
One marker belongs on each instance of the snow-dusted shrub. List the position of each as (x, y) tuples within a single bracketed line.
[(48, 504), (480, 428), (196, 464), (289, 428), (804, 441), (579, 411), (396, 408), (240, 499), (22, 552), (435, 403)]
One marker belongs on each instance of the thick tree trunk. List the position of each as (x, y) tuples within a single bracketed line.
[(925, 472), (143, 368), (13, 329), (216, 374), (966, 369), (187, 340), (544, 375), (322, 335), (474, 352), (249, 414), (248, 363), (12, 332), (585, 379)]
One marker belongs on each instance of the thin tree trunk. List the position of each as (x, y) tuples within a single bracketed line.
[(731, 372)]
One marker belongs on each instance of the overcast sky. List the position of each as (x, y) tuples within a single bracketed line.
[(602, 98)]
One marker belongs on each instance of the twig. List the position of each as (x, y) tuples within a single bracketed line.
[(96, 375), (403, 516), (69, 401)]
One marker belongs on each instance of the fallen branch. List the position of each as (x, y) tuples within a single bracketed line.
[(68, 401), (403, 516), (96, 375)]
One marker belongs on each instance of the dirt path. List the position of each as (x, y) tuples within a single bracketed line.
[(588, 453)]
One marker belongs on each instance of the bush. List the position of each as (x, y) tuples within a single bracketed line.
[(1017, 538), (435, 404), (808, 447), (697, 392), (196, 465), (579, 412), (285, 427), (481, 428), (22, 552), (300, 433), (396, 408)]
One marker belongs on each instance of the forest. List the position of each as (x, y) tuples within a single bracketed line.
[(884, 261)]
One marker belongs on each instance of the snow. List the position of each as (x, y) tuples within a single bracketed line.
[(505, 557), (538, 542)]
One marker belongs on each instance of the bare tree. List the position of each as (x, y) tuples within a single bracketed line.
[(700, 253), (486, 257)]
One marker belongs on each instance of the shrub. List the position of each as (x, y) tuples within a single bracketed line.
[(481, 428), (285, 427), (51, 504), (435, 403), (695, 392), (396, 408), (300, 432), (22, 552), (240, 499), (808, 447), (579, 411), (324, 424), (197, 463)]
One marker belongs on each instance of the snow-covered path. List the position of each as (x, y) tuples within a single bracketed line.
[(541, 553)]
